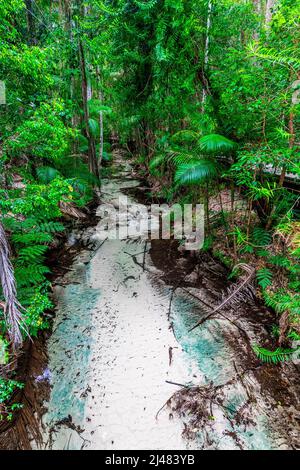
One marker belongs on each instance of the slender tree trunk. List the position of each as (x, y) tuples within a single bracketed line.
[(11, 307), (206, 49), (30, 21), (225, 224), (101, 147), (259, 11), (269, 11), (101, 135), (206, 207), (85, 90)]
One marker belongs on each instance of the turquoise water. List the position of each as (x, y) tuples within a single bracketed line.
[(70, 349)]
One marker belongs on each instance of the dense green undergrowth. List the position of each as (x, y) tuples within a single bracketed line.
[(44, 176)]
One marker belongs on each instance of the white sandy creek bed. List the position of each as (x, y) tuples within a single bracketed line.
[(109, 356)]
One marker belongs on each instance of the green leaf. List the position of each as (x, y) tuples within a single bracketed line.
[(274, 357), (264, 277), (197, 172), (94, 127), (261, 237), (156, 161), (216, 144), (46, 174), (31, 237)]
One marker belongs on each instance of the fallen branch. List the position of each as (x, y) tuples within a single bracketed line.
[(250, 270)]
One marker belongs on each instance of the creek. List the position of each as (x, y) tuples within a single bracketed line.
[(121, 347)]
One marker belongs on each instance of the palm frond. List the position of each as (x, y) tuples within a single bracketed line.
[(195, 172), (12, 308), (215, 144), (183, 157)]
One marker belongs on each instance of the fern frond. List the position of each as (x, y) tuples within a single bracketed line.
[(31, 254), (49, 227), (274, 357), (294, 336), (31, 275), (264, 277), (280, 261), (261, 237), (31, 238), (147, 5), (285, 58)]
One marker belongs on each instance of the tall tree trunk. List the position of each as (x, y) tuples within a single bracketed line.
[(101, 136), (30, 22), (85, 90), (206, 48), (269, 11), (101, 148), (72, 92), (259, 11)]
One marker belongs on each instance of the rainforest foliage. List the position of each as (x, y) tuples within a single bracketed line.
[(204, 94)]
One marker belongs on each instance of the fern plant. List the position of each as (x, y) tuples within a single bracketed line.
[(274, 357), (264, 277), (261, 237)]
